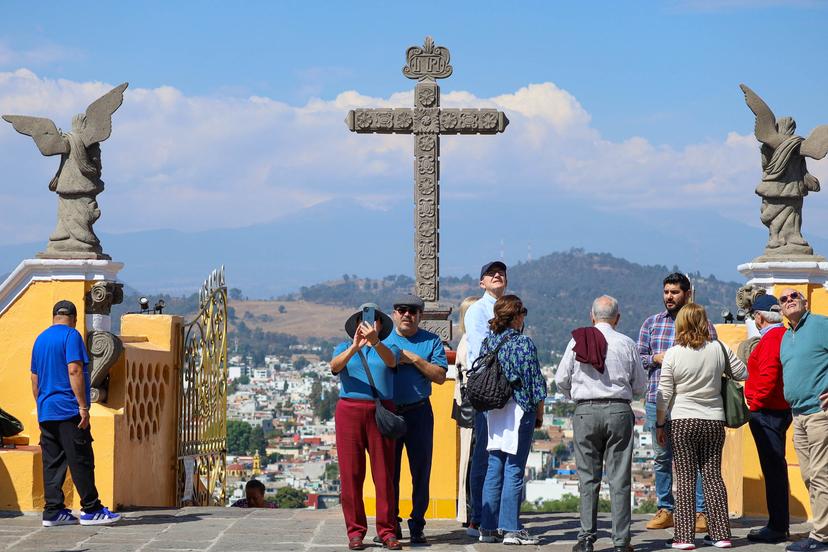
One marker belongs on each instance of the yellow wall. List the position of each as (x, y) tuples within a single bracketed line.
[(445, 459), (134, 432)]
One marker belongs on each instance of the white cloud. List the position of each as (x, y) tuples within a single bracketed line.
[(191, 162)]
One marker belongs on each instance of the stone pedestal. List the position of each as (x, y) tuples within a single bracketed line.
[(808, 277)]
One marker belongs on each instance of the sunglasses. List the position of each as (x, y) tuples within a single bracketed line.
[(793, 297), (409, 310)]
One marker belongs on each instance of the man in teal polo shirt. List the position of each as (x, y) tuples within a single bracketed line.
[(804, 355), (422, 362)]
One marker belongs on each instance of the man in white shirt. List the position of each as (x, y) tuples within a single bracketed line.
[(601, 371), (476, 321)]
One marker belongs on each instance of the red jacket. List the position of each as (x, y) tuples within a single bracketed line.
[(763, 388)]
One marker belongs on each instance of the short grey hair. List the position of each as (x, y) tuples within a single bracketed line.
[(605, 308), (773, 317)]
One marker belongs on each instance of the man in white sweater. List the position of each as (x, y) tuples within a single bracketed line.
[(601, 371)]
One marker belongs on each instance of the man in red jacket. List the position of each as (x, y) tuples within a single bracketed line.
[(770, 417)]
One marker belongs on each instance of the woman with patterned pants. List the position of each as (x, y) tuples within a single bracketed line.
[(689, 390)]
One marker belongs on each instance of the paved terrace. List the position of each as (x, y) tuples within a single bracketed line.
[(238, 530)]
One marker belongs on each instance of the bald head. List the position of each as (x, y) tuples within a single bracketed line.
[(605, 309)]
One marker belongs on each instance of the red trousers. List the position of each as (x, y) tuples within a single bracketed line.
[(356, 432)]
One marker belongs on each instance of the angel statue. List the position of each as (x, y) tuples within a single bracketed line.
[(785, 177), (78, 178)]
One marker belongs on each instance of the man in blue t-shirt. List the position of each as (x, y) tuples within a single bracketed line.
[(422, 361), (60, 384)]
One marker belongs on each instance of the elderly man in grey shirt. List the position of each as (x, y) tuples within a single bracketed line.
[(601, 371)]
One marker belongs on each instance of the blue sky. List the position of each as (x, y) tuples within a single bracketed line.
[(234, 112)]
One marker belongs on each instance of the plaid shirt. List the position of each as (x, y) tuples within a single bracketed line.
[(656, 336)]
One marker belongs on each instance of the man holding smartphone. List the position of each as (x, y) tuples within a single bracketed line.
[(422, 362)]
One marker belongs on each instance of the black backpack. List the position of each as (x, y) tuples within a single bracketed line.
[(9, 425), (487, 386)]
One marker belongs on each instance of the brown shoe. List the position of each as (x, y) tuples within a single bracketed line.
[(356, 544), (663, 519), (701, 522), (391, 543)]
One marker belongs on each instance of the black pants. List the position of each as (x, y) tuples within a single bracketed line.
[(63, 444), (418, 442), (769, 428)]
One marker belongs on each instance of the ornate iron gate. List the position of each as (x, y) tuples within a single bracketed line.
[(202, 400)]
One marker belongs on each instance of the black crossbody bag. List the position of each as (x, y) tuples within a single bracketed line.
[(390, 425)]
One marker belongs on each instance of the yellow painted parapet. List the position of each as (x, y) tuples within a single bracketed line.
[(446, 457), (134, 431), (740, 468)]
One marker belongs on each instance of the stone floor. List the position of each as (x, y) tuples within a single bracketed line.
[(233, 529)]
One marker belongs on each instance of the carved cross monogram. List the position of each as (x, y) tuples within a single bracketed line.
[(427, 121)]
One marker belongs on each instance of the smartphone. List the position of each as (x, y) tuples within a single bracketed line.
[(368, 315)]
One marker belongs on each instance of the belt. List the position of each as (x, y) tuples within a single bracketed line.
[(602, 401), (410, 406)]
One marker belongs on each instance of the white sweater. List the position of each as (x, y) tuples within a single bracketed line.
[(690, 385)]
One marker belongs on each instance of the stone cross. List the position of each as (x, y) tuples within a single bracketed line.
[(427, 121)]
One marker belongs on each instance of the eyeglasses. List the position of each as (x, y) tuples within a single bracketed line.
[(793, 297), (493, 272), (407, 310)]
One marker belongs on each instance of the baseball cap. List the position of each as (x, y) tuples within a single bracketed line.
[(64, 307), (409, 300), (766, 303), (490, 265)]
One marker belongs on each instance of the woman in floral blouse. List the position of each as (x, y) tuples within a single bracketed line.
[(511, 427)]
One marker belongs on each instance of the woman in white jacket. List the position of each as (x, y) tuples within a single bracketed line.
[(690, 413)]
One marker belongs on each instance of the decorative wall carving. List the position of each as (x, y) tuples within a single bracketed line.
[(102, 295)]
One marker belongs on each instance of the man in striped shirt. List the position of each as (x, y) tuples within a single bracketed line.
[(656, 336)]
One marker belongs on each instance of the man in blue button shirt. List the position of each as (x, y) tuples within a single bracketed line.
[(493, 282), (60, 384), (422, 361)]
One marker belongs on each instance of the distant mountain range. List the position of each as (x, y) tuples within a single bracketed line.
[(330, 239), (558, 290)]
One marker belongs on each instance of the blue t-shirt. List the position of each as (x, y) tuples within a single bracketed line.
[(53, 350), (411, 385), (353, 382)]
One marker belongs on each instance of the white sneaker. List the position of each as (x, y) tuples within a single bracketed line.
[(718, 544), (682, 545), (519, 537)]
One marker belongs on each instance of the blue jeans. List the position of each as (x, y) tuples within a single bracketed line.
[(419, 444), (663, 467), (479, 464), (503, 489)]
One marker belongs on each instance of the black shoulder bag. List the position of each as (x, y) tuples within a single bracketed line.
[(390, 425), (487, 387)]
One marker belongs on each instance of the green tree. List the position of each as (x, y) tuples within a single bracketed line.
[(300, 363), (244, 379), (332, 471), (288, 497), (646, 507), (257, 441), (540, 435), (274, 457), (567, 503), (238, 437)]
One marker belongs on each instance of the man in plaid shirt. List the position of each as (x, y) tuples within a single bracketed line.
[(656, 336)]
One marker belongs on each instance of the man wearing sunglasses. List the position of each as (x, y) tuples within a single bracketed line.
[(476, 322), (422, 362), (804, 355)]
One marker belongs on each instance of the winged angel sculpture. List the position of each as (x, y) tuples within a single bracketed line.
[(78, 178), (785, 177)]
